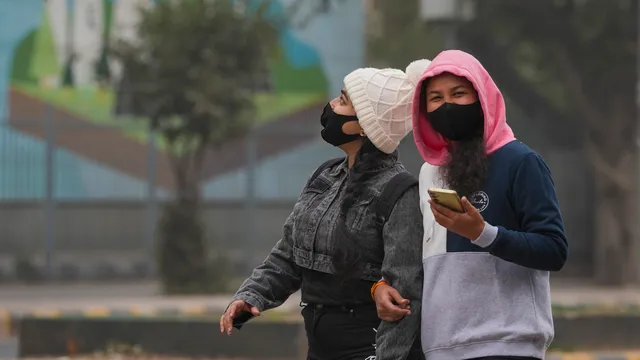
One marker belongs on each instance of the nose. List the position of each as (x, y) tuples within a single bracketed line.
[(333, 103)]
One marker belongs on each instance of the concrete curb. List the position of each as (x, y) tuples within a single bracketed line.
[(576, 338), (596, 355), (10, 322), (596, 332), (103, 311), (161, 336)]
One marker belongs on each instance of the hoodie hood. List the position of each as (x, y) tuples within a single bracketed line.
[(497, 133)]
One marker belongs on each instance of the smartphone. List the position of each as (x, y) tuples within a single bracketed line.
[(446, 198)]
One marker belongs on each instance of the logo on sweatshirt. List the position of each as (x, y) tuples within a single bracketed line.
[(480, 200)]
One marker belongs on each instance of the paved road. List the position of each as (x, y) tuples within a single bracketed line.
[(21, 298), (8, 348)]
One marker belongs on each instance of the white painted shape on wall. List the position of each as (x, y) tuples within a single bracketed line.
[(57, 11), (126, 16), (88, 22)]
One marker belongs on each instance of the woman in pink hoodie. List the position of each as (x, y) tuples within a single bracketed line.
[(486, 287)]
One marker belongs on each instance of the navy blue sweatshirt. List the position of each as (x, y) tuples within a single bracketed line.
[(488, 296), (524, 224), (491, 296)]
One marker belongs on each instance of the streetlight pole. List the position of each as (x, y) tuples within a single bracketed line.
[(449, 14), (451, 36), (636, 233)]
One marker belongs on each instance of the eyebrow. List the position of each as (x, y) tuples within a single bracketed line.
[(344, 93), (437, 92)]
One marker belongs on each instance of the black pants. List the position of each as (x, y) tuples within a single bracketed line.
[(343, 333)]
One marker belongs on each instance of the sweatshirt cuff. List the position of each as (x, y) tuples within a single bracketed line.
[(488, 235)]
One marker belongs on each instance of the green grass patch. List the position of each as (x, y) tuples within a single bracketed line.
[(95, 106), (272, 106), (287, 78)]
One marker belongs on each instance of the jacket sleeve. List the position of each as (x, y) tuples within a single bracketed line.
[(402, 269), (541, 243), (271, 283)]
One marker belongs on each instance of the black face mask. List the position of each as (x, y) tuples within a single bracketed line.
[(458, 122), (332, 127)]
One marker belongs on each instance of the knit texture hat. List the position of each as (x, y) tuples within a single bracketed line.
[(382, 101)]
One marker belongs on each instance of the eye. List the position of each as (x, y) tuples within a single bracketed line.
[(342, 102), (436, 98), (459, 93)]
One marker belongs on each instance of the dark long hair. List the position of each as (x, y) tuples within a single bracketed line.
[(346, 256), (466, 167)]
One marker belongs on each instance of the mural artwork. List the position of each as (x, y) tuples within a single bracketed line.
[(56, 92)]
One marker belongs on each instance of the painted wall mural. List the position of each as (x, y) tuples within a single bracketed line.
[(53, 86)]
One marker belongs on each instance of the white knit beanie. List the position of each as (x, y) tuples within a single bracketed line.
[(382, 101)]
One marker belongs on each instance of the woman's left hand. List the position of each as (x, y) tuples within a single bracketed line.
[(469, 224)]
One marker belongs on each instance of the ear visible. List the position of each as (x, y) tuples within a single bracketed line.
[(362, 133)]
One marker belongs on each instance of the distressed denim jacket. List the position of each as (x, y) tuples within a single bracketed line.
[(395, 253)]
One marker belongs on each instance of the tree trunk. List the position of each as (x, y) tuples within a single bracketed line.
[(188, 175), (184, 253), (617, 255), (601, 103)]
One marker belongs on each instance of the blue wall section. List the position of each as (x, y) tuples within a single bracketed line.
[(332, 41), (278, 177), (22, 160), (338, 38), (17, 18)]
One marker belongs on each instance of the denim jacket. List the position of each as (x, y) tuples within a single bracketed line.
[(305, 243)]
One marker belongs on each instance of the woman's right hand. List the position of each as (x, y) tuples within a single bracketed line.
[(391, 306), (235, 308)]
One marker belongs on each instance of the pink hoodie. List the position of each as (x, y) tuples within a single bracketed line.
[(497, 133)]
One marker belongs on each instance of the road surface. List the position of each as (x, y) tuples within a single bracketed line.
[(145, 296)]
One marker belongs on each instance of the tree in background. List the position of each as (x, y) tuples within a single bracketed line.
[(102, 69), (396, 36), (191, 73), (576, 60), (44, 63), (68, 78), (569, 65)]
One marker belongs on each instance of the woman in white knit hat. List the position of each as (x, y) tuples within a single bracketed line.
[(358, 217)]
